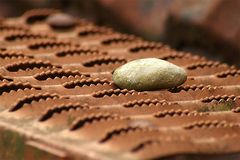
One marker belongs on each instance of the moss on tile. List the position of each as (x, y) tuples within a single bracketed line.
[(227, 106)]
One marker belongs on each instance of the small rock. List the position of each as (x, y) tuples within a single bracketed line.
[(149, 74), (61, 21)]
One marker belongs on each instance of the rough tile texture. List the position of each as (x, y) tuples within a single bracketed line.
[(57, 98)]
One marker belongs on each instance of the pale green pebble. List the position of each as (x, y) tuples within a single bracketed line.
[(149, 74)]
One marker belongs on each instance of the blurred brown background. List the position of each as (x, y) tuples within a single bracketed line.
[(206, 27)]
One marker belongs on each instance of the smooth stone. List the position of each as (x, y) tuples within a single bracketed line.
[(149, 74), (61, 21)]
